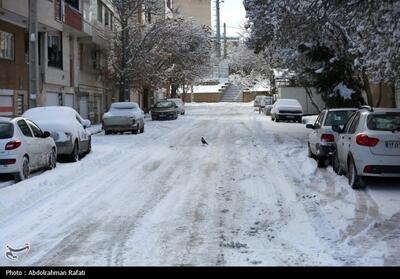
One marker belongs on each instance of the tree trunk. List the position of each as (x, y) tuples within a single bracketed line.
[(174, 90), (367, 88), (378, 103)]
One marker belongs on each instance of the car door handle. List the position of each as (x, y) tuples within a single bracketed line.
[(349, 138)]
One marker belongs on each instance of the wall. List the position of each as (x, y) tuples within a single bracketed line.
[(13, 74), (203, 97), (387, 97), (300, 94), (200, 10)]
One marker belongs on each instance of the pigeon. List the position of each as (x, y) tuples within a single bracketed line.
[(203, 141)]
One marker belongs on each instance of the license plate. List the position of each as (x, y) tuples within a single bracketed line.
[(162, 115), (392, 144), (290, 116)]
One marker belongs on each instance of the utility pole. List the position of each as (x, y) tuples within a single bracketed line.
[(33, 67), (225, 45), (217, 2)]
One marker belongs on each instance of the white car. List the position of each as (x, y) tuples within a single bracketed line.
[(25, 148), (321, 140), (368, 145), (287, 109), (180, 104), (123, 117), (67, 128)]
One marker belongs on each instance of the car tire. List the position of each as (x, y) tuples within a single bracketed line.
[(321, 161), (135, 132), (107, 132), (355, 181), (74, 156), (142, 130), (309, 152), (276, 119), (24, 172), (336, 165), (89, 149), (52, 163)]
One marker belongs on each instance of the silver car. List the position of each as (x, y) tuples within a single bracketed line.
[(368, 145), (180, 104), (321, 140), (123, 117)]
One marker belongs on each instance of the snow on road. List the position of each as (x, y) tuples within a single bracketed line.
[(251, 197)]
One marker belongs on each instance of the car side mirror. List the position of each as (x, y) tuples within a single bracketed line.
[(336, 128), (46, 134), (310, 126), (87, 123)]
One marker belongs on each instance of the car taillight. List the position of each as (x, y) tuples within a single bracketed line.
[(13, 144), (365, 140), (328, 138)]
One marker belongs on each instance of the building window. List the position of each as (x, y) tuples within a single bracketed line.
[(148, 17), (73, 3), (99, 11), (54, 50), (106, 17), (6, 45), (58, 10)]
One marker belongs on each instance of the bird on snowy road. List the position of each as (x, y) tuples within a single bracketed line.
[(203, 141)]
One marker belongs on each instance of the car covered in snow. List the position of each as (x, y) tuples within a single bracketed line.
[(24, 147), (368, 145), (164, 110), (322, 139), (67, 128), (287, 109), (123, 117), (180, 104)]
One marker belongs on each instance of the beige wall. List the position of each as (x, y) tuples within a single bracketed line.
[(203, 97), (385, 94), (199, 10)]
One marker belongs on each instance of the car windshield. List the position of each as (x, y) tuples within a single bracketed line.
[(165, 104), (384, 122), (338, 117), (176, 101), (6, 130), (123, 106)]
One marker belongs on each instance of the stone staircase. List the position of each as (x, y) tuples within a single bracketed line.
[(232, 93)]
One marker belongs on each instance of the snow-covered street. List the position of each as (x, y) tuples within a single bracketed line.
[(251, 197)]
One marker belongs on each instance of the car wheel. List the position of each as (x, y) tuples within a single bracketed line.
[(321, 161), (142, 130), (276, 119), (309, 152), (52, 160), (74, 157), (335, 164), (24, 171), (107, 132), (355, 181), (135, 132), (89, 149)]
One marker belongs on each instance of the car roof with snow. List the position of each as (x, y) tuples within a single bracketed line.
[(288, 101), (124, 105), (340, 109), (50, 113)]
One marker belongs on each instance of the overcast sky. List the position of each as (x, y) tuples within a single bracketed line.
[(233, 14)]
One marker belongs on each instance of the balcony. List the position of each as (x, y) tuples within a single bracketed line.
[(73, 18)]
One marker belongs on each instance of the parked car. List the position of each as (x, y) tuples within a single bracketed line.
[(123, 117), (25, 148), (267, 109), (287, 109), (321, 140), (257, 101), (180, 104), (261, 101), (164, 110), (67, 128), (368, 145)]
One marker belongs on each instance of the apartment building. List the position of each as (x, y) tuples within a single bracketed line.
[(198, 10), (72, 37)]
